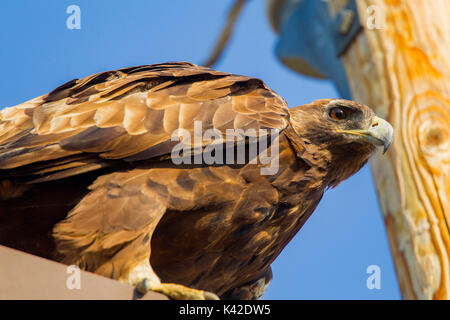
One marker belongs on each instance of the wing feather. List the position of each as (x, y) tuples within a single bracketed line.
[(131, 113)]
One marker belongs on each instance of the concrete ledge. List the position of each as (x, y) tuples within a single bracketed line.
[(27, 277)]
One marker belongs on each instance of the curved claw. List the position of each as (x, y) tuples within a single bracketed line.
[(143, 287), (210, 296)]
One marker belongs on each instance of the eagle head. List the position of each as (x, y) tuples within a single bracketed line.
[(338, 135)]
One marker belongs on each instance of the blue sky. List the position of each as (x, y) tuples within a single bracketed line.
[(328, 258)]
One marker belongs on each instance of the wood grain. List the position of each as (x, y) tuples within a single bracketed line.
[(402, 70)]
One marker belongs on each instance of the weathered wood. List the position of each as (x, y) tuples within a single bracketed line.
[(27, 277), (400, 65)]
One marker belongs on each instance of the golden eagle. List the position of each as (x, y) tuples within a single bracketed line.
[(88, 177)]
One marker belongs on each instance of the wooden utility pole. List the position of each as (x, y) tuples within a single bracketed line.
[(399, 64)]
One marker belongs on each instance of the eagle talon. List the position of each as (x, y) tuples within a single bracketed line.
[(143, 287), (210, 296), (175, 291)]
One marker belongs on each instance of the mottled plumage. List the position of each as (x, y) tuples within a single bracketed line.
[(86, 177)]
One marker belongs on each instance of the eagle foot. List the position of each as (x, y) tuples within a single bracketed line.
[(175, 291)]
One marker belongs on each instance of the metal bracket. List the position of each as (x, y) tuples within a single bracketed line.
[(345, 27), (306, 44), (311, 42)]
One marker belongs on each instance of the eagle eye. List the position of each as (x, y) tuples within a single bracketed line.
[(337, 113)]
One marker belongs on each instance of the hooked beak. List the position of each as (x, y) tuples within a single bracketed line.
[(380, 133)]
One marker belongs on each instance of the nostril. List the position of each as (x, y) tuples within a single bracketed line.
[(374, 124)]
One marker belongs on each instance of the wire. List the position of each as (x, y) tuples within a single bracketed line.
[(226, 34)]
